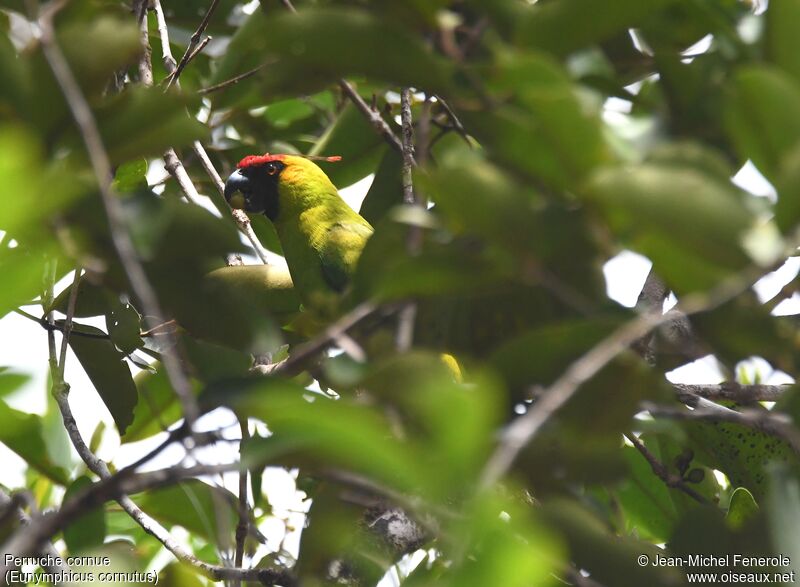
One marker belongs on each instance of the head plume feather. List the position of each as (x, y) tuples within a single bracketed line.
[(254, 160)]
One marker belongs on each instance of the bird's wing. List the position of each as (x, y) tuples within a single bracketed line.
[(343, 245)]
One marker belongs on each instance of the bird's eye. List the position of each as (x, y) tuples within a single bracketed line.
[(271, 168)]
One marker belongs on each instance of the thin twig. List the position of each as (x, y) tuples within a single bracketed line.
[(8, 504), (43, 322), (163, 32), (660, 470), (407, 316), (118, 486), (412, 503), (650, 301), (454, 120), (35, 535), (407, 146), (374, 117), (232, 81), (199, 49), (239, 216), (67, 327), (193, 42), (31, 538), (769, 422), (175, 167), (244, 511), (303, 353), (145, 72), (120, 236), (522, 430), (172, 162)]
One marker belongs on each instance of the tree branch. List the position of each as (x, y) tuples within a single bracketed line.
[(173, 163), (145, 72), (67, 328), (192, 48), (454, 120), (120, 236), (232, 81), (660, 470), (522, 430), (244, 512), (118, 486), (766, 421), (239, 216), (36, 534), (372, 115), (8, 505), (295, 362), (124, 247), (407, 316), (732, 391)]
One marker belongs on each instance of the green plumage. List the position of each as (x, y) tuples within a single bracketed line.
[(322, 237)]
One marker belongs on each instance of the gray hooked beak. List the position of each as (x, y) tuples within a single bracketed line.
[(237, 183)]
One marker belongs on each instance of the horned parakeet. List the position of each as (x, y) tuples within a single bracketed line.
[(322, 237)]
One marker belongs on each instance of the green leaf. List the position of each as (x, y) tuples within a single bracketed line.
[(744, 327), (168, 123), (782, 35), (421, 387), (88, 530), (213, 363), (352, 137), (21, 151), (539, 127), (24, 434), (205, 511), (157, 408), (316, 431), (283, 113), (608, 558), (99, 46), (23, 271), (645, 499), (235, 306), (386, 190), (783, 510), (108, 372), (787, 208), (123, 324), (566, 342), (92, 300), (745, 455), (131, 175), (10, 381), (742, 508), (499, 547), (308, 50), (566, 25), (762, 116), (689, 223), (178, 575)]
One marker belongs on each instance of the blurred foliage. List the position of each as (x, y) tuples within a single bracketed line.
[(551, 135)]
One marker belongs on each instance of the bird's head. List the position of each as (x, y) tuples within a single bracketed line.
[(255, 185)]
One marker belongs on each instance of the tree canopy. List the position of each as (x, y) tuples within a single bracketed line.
[(474, 409)]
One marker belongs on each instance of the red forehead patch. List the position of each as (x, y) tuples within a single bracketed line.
[(253, 160)]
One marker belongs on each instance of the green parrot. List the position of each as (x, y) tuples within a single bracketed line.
[(322, 237)]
